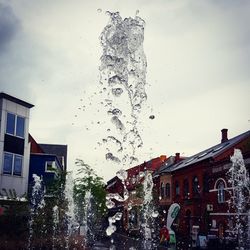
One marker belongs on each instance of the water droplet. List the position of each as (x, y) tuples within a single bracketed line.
[(115, 112), (110, 230), (141, 174), (122, 174), (110, 204), (117, 91), (119, 125), (151, 117), (155, 214), (111, 157)]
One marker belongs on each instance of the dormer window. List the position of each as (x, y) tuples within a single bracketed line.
[(15, 125)]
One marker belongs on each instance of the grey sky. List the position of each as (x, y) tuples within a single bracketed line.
[(198, 73)]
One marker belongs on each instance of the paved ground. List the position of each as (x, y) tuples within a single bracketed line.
[(123, 242), (118, 241)]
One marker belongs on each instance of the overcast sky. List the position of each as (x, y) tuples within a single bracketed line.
[(198, 75)]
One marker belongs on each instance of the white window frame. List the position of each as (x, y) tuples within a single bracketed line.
[(15, 125), (13, 164), (220, 191), (53, 167)]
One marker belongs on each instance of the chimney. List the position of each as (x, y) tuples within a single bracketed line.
[(224, 135), (177, 157)]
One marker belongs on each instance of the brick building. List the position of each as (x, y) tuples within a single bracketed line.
[(131, 207), (199, 184)]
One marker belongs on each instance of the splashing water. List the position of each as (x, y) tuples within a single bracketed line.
[(112, 228), (73, 225), (55, 225), (37, 204), (148, 211), (123, 76), (240, 198), (89, 218)]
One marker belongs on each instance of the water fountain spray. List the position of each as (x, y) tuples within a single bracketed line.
[(240, 198), (37, 204), (123, 80)]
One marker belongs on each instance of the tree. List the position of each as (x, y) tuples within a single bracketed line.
[(89, 197)]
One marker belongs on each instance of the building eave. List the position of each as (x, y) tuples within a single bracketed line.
[(15, 100)]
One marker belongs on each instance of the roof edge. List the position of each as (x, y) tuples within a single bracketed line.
[(16, 100)]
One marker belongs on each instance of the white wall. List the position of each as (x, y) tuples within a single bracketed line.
[(19, 183)]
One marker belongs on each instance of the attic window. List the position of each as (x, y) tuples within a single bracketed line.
[(202, 155), (217, 149), (189, 160), (220, 147)]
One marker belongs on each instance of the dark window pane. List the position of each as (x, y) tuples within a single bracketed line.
[(7, 165), (195, 185), (20, 126), (168, 190), (50, 166), (18, 165), (10, 127), (221, 192), (162, 190), (186, 188), (177, 188)]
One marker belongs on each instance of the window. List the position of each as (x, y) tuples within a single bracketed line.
[(177, 188), (10, 128), (7, 164), (221, 192), (186, 188), (18, 162), (162, 190), (50, 166), (12, 164), (168, 190), (20, 126), (205, 183), (15, 125), (196, 186)]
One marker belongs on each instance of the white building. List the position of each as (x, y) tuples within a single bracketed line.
[(14, 146)]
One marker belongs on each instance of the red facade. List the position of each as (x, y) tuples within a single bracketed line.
[(199, 184)]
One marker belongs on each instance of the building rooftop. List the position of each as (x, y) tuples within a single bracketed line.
[(211, 152), (16, 100), (56, 149)]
